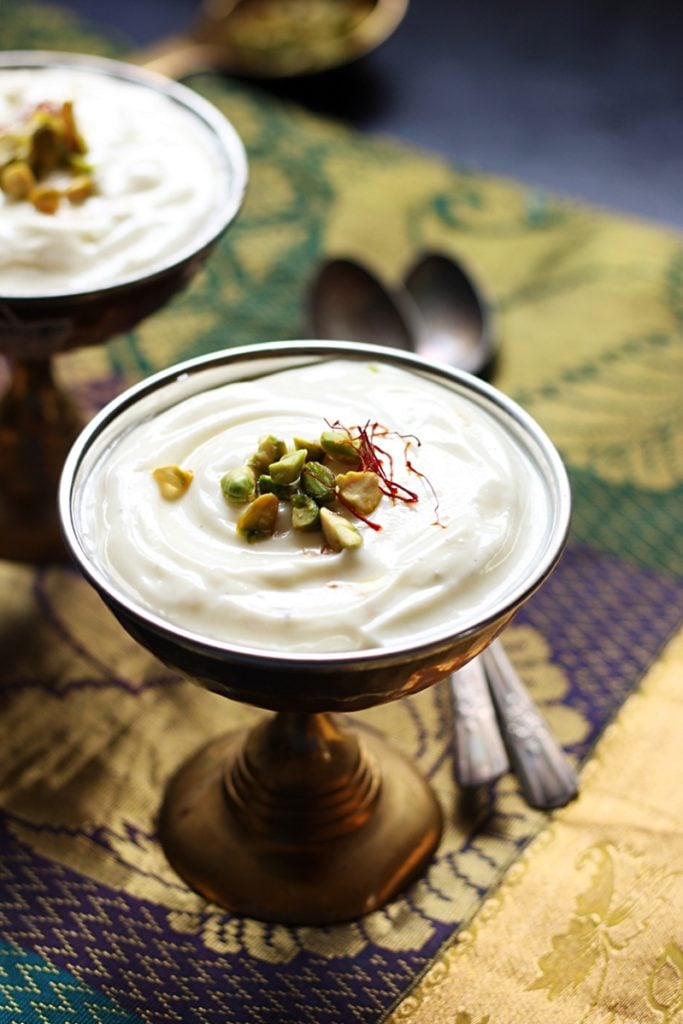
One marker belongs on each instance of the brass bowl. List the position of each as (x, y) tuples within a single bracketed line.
[(301, 797), (37, 421), (265, 39), (269, 39)]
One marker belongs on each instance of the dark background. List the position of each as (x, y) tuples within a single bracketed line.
[(581, 97)]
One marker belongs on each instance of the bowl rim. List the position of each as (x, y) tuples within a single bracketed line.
[(230, 144), (555, 477)]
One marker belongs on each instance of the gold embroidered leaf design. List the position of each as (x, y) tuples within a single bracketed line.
[(576, 951), (594, 903), (574, 954), (665, 983), (608, 916), (463, 1017)]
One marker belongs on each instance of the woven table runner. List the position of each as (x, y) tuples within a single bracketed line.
[(587, 924)]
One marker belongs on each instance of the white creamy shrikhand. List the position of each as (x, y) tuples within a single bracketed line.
[(159, 173), (433, 566)]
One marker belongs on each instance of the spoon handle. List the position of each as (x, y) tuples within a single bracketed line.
[(545, 776), (478, 751), (180, 56)]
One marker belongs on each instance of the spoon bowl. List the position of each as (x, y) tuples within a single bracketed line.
[(454, 322), (349, 303)]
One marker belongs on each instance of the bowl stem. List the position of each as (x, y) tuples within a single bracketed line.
[(38, 425), (299, 821)]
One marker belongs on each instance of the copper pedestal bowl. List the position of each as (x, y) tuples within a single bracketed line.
[(304, 819), (38, 421)]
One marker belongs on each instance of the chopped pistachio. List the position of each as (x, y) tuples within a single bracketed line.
[(80, 189), (45, 140), (317, 481), (270, 449), (17, 180), (309, 484), (339, 445), (338, 531), (80, 165), (305, 512), (314, 450), (73, 137), (173, 481), (287, 469), (239, 485), (45, 198), (360, 491), (47, 149), (266, 485), (259, 518)]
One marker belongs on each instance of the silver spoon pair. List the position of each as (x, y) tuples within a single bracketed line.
[(440, 313)]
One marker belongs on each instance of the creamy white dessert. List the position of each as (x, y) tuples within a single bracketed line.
[(472, 536), (159, 173)]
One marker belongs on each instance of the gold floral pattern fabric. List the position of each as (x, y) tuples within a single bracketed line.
[(587, 927)]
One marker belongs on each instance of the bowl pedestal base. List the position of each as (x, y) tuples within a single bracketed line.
[(38, 425), (301, 822)]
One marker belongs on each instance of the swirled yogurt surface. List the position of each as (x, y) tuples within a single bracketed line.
[(442, 561), (159, 172)]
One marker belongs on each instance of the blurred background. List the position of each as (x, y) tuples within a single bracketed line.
[(580, 97)]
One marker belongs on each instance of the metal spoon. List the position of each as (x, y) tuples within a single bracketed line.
[(545, 776), (489, 699), (349, 303), (454, 322), (479, 754), (269, 39)]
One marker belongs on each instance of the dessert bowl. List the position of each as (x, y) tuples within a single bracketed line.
[(305, 821), (263, 39), (46, 308)]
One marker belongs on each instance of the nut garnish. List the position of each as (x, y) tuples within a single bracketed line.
[(338, 531), (80, 189), (45, 198), (314, 449), (359, 491), (17, 180), (239, 485), (266, 485), (305, 512), (287, 469), (303, 479), (270, 449), (173, 481), (340, 445), (46, 141), (318, 482), (259, 518)]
